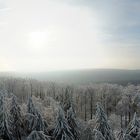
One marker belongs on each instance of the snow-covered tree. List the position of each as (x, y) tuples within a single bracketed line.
[(120, 135), (38, 135), (128, 137), (4, 132), (102, 123), (15, 120), (98, 135), (62, 130), (30, 123), (34, 120), (72, 122), (87, 134), (133, 129), (30, 107), (66, 100), (40, 123)]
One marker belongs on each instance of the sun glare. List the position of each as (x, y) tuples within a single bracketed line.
[(37, 39)]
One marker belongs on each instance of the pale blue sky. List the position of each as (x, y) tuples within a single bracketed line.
[(41, 35)]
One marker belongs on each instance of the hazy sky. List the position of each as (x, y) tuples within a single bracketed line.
[(40, 35)]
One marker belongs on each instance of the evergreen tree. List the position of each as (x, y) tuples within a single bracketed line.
[(67, 99), (98, 135), (128, 137), (4, 132), (38, 135), (40, 123), (62, 130), (15, 120), (30, 107), (102, 123), (34, 120), (120, 135), (133, 129), (87, 134), (71, 118), (30, 123)]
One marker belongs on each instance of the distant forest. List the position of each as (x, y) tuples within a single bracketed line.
[(40, 110), (81, 77)]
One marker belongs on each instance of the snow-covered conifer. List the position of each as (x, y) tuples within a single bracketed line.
[(4, 132), (133, 129), (98, 135), (15, 120), (34, 120), (30, 107), (40, 123), (72, 122), (102, 123), (128, 137), (30, 123), (62, 130), (120, 135), (67, 100), (38, 135), (87, 134)]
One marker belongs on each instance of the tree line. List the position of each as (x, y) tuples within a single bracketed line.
[(74, 105)]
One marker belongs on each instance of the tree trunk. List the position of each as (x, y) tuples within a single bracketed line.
[(85, 108), (91, 106), (121, 121)]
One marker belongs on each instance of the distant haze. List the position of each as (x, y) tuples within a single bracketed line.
[(45, 35), (83, 76)]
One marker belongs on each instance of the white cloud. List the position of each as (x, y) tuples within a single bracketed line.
[(39, 35)]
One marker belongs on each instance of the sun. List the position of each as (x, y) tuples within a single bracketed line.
[(37, 39)]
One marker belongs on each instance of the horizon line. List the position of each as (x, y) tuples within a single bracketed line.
[(65, 70)]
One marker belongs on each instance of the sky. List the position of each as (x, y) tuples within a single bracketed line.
[(45, 35)]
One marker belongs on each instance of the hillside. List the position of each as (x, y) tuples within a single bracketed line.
[(85, 76)]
